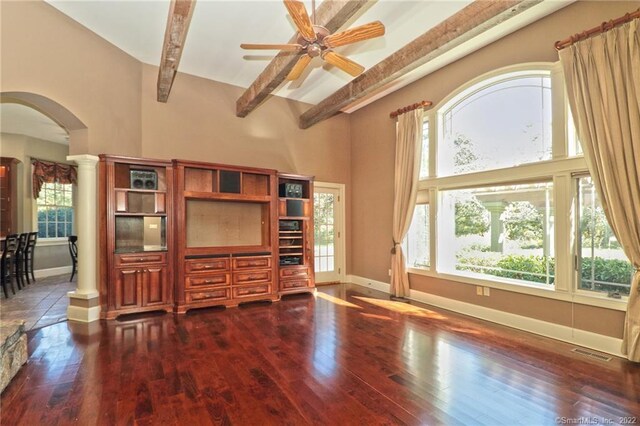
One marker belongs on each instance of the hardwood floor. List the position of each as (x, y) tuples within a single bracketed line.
[(345, 356)]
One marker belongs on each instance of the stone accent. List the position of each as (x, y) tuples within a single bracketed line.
[(13, 350)]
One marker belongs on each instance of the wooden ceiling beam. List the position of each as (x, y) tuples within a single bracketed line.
[(331, 14), (467, 23), (180, 13)]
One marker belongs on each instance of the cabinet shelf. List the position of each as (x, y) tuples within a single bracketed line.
[(226, 196), (148, 191), (291, 254), (141, 214)]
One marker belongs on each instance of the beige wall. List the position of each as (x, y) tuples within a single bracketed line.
[(115, 97), (372, 159), (24, 148), (47, 53)]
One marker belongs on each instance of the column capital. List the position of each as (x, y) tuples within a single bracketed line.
[(84, 159)]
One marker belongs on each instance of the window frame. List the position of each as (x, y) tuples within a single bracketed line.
[(560, 169), (577, 264), (55, 241), (422, 201)]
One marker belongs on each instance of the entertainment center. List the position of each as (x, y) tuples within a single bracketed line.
[(177, 235)]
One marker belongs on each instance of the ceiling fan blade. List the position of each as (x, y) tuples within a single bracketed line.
[(344, 63), (300, 17), (299, 67), (250, 46), (353, 35)]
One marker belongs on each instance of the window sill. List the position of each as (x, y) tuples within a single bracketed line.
[(530, 289), (46, 242)]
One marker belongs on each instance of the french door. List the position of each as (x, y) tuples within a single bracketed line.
[(328, 202)]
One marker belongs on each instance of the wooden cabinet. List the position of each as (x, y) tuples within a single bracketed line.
[(226, 229), (295, 234), (136, 235), (180, 235)]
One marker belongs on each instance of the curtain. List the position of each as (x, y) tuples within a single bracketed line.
[(603, 85), (49, 172), (408, 155)]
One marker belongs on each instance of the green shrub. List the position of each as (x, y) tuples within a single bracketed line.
[(527, 268), (609, 270), (534, 269), (512, 266)]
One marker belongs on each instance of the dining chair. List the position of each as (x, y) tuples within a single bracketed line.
[(29, 253), (73, 251), (5, 264)]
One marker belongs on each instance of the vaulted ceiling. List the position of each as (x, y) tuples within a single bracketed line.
[(212, 48)]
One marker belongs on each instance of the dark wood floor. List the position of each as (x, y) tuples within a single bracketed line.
[(341, 357)]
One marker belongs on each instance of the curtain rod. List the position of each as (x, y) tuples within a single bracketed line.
[(422, 104), (605, 26)]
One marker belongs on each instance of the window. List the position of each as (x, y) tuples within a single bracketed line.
[(499, 231), (424, 161), (602, 265), (575, 147), (499, 123), (501, 209), (55, 210), (416, 243)]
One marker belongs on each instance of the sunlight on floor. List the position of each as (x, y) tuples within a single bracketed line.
[(374, 316), (403, 308), (336, 300)]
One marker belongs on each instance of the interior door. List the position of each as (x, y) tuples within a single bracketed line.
[(328, 233)]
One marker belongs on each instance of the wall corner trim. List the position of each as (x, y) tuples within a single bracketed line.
[(607, 344)]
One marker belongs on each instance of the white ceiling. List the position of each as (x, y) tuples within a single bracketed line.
[(23, 120), (218, 27)]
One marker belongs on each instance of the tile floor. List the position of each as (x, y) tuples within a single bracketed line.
[(40, 304)]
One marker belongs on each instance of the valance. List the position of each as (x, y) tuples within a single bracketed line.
[(49, 172)]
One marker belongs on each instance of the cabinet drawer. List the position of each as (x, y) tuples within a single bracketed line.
[(295, 283), (251, 290), (139, 258), (206, 265), (252, 277), (251, 262), (205, 296), (211, 280), (294, 272)]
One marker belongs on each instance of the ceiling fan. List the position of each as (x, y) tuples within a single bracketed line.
[(315, 40)]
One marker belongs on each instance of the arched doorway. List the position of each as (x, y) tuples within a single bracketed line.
[(84, 301)]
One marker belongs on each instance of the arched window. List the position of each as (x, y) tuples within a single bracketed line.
[(501, 122)]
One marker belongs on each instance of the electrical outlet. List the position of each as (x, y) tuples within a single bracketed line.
[(486, 291), (389, 272), (479, 290)]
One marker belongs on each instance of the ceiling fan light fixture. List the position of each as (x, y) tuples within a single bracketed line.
[(315, 40)]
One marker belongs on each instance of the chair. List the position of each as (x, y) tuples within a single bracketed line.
[(29, 253), (17, 259), (5, 263), (73, 251)]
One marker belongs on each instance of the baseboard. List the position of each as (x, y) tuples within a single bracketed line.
[(43, 273), (610, 345), (369, 283)]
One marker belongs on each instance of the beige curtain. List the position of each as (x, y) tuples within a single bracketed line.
[(408, 155), (603, 85)]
